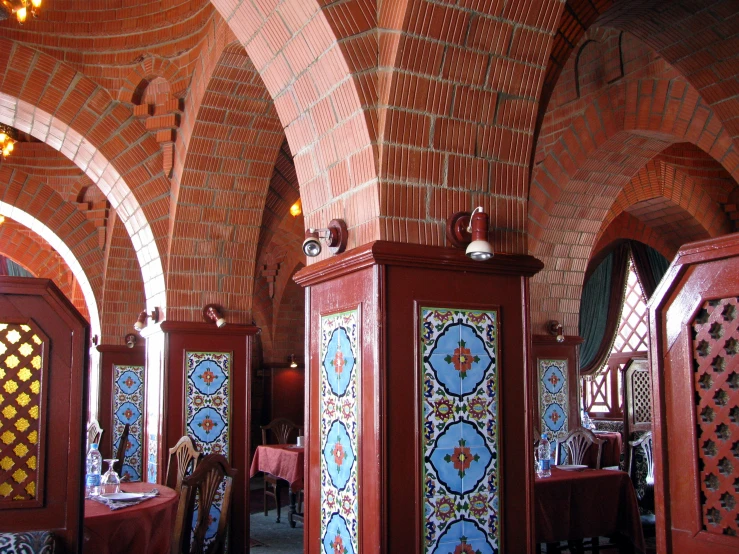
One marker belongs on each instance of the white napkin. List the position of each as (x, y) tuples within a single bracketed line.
[(118, 504)]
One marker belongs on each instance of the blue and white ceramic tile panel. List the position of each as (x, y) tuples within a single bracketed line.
[(553, 400), (207, 412), (460, 434), (339, 386), (128, 407)]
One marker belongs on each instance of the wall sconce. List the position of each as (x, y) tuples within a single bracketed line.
[(335, 236), (212, 312), (143, 316), (130, 340), (291, 359), (463, 228), (555, 329)]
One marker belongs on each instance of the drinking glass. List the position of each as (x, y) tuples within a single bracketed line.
[(110, 482)]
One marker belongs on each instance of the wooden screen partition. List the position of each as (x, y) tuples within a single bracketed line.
[(122, 385), (388, 326), (694, 328), (43, 401), (208, 398), (556, 391)]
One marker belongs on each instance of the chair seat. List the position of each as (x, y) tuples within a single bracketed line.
[(32, 542)]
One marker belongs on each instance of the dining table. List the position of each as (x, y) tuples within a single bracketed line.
[(144, 528), (284, 461), (574, 505), (610, 451)]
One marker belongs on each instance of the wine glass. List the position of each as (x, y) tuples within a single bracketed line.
[(110, 482)]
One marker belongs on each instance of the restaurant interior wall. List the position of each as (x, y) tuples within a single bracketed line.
[(166, 156)]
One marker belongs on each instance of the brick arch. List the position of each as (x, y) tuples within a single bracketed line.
[(692, 42), (39, 208), (318, 100), (665, 185), (123, 291), (33, 253), (458, 127), (231, 156), (289, 335), (618, 132), (67, 111), (626, 226)]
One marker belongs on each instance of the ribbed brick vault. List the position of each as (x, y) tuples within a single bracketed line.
[(179, 132)]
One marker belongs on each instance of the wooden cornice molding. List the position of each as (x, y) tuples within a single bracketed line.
[(196, 327), (122, 348), (550, 340), (414, 255)]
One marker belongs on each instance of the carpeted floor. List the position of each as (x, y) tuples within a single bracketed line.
[(275, 538)]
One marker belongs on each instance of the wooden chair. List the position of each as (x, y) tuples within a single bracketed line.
[(94, 433), (644, 488), (187, 458), (576, 442), (203, 484), (282, 429), (121, 452)]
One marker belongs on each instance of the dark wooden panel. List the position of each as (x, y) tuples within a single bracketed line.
[(687, 338), (40, 303), (203, 337)]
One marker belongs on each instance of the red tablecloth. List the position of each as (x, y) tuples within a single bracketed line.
[(611, 450), (145, 528), (281, 460), (583, 504)]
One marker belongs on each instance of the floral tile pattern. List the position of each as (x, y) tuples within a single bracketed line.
[(339, 386), (128, 407), (553, 400), (460, 439), (207, 411)]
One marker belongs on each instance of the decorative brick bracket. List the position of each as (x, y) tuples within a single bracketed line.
[(163, 119), (271, 268)]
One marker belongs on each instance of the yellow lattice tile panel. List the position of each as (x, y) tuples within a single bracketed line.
[(21, 365)]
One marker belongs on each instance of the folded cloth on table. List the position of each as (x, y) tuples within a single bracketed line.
[(118, 504)]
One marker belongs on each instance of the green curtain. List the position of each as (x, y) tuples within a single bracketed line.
[(14, 270), (594, 310)]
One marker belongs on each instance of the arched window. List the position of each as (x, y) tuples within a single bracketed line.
[(602, 395)]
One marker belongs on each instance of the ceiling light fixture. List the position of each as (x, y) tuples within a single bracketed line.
[(555, 329), (20, 8), (7, 138), (470, 230), (296, 209), (212, 312), (293, 363), (335, 236)]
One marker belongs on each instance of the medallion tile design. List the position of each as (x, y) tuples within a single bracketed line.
[(128, 407), (207, 412), (460, 438), (339, 386), (553, 400)]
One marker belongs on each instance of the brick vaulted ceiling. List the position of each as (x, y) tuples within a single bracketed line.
[(181, 131)]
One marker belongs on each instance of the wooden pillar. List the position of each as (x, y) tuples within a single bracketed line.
[(207, 396), (113, 359), (408, 349), (556, 389)]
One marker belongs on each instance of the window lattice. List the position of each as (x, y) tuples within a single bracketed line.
[(633, 327), (641, 389), (21, 362), (716, 377)]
